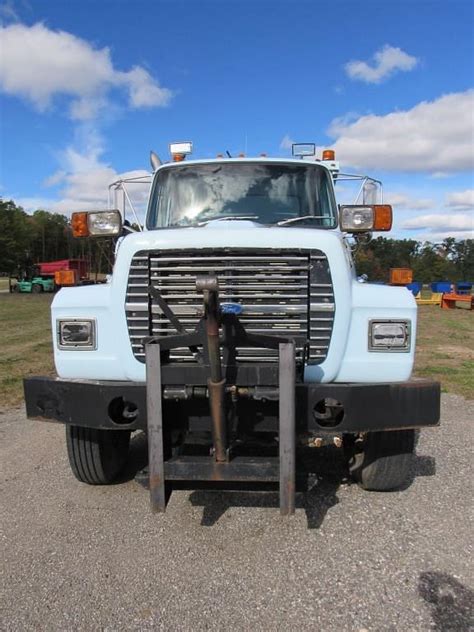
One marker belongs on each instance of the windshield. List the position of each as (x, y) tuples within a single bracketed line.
[(190, 195)]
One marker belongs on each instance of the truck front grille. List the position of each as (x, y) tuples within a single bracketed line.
[(282, 292)]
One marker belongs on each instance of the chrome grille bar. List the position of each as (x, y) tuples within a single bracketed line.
[(281, 292)]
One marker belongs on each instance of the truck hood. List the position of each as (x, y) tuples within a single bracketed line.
[(231, 234)]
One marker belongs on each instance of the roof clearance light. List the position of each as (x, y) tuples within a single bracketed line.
[(329, 154), (303, 149), (179, 151)]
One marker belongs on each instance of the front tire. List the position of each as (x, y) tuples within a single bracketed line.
[(383, 461), (96, 456), (36, 289)]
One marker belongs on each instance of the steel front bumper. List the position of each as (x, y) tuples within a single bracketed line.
[(115, 405)]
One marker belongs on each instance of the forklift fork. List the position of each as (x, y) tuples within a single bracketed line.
[(220, 466)]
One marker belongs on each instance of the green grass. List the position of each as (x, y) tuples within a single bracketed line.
[(445, 349), (25, 342)]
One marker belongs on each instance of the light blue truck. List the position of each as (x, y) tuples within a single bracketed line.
[(235, 332)]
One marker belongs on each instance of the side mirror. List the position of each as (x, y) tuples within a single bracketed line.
[(96, 224), (367, 218)]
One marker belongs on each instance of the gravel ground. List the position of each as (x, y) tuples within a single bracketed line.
[(89, 558)]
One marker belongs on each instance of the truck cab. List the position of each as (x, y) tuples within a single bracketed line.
[(236, 298)]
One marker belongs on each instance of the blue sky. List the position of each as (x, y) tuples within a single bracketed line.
[(88, 88)]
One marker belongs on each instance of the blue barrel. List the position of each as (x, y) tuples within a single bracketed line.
[(463, 287), (441, 286), (415, 287)]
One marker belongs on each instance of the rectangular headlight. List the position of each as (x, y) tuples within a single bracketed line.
[(104, 223), (389, 335), (355, 218), (76, 335)]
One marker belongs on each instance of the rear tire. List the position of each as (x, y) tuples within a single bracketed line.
[(383, 461), (96, 456), (36, 289)]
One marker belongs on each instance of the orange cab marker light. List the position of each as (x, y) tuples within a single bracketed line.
[(382, 217), (178, 157), (79, 225), (329, 154)]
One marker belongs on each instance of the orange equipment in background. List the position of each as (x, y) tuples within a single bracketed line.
[(401, 276), (449, 300), (66, 277)]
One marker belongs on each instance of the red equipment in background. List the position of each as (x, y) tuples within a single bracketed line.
[(66, 272)]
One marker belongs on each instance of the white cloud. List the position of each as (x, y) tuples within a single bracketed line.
[(144, 91), (386, 61), (39, 64), (434, 136), (457, 222), (439, 175), (83, 179), (436, 237), (33, 203), (405, 201), (287, 142), (461, 199), (87, 189)]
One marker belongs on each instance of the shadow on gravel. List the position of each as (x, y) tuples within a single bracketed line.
[(422, 466), (316, 502), (320, 477), (451, 603), (317, 486)]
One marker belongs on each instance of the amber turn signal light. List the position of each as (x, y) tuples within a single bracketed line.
[(382, 217), (79, 225)]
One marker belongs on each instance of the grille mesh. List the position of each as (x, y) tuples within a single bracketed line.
[(282, 292)]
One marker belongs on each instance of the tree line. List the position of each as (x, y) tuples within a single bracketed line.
[(449, 260), (27, 239)]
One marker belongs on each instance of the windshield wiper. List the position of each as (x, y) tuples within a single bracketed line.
[(293, 220), (228, 219)]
